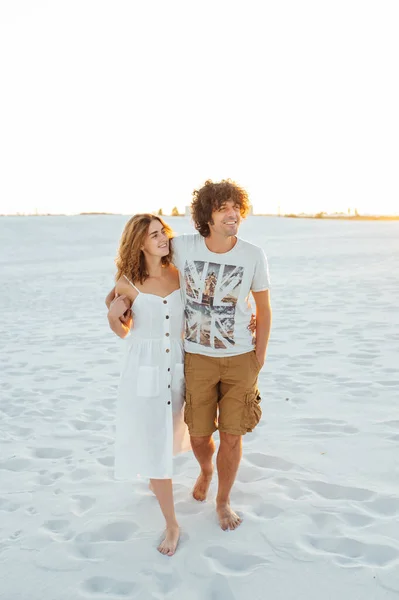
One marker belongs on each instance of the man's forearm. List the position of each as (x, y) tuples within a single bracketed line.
[(118, 327), (110, 297), (263, 326)]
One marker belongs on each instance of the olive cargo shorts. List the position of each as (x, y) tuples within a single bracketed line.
[(221, 393)]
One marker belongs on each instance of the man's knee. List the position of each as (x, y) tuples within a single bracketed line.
[(201, 442), (231, 440)]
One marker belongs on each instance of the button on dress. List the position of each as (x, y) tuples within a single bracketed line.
[(150, 426)]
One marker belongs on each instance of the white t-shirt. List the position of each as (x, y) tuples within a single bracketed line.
[(216, 289)]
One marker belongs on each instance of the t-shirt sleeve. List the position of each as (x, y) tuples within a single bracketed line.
[(178, 244), (261, 279)]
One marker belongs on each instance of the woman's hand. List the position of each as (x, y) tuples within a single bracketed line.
[(252, 324), (127, 318)]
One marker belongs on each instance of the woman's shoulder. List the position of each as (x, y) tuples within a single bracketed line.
[(173, 273), (173, 270), (124, 286)]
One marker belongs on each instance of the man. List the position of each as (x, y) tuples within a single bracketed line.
[(218, 272)]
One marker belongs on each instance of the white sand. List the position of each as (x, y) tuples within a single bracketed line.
[(319, 483)]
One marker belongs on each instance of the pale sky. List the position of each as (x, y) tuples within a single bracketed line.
[(128, 106)]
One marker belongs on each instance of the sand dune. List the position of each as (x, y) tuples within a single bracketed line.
[(318, 487)]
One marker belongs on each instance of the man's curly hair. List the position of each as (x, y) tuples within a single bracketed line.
[(211, 197), (130, 260)]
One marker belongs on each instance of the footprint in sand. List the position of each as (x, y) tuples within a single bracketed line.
[(80, 474), (330, 426), (58, 529), (15, 464), (255, 504), (384, 506), (103, 361), (351, 552), (291, 489), (248, 474), (325, 521), (219, 589), (22, 432), (51, 453), (86, 425), (108, 403), (48, 478), (81, 504), (54, 557), (16, 535), (106, 587), (31, 510), (270, 462), (8, 506), (106, 461), (331, 491), (393, 383), (266, 511), (355, 520), (166, 582), (70, 397), (392, 424), (93, 413), (86, 542), (231, 563)]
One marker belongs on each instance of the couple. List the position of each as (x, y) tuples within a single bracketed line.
[(216, 371)]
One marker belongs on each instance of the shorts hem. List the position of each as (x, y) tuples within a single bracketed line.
[(231, 432), (201, 434)]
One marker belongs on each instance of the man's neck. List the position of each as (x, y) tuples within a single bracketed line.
[(220, 245)]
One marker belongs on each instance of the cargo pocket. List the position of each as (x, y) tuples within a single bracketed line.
[(252, 410), (148, 382), (188, 411)]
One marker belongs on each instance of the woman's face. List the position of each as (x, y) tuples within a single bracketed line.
[(157, 242)]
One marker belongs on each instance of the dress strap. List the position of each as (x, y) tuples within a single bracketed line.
[(132, 284)]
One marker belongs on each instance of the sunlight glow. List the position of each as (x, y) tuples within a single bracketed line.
[(129, 107)]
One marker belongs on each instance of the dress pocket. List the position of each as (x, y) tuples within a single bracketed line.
[(148, 382)]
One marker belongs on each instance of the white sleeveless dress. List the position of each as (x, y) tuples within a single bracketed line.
[(150, 427)]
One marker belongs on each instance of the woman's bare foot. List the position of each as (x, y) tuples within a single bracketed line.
[(202, 484), (169, 544), (228, 519)]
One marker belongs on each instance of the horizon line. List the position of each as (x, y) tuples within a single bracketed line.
[(309, 215)]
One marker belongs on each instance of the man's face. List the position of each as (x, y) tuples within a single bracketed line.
[(226, 219)]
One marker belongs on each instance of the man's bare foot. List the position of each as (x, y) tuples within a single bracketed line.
[(169, 544), (202, 484), (228, 519), (151, 488)]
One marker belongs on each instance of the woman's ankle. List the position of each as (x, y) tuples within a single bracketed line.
[(172, 524)]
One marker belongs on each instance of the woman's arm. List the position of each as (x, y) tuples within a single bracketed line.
[(115, 312)]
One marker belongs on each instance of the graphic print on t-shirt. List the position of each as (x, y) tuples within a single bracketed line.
[(212, 292)]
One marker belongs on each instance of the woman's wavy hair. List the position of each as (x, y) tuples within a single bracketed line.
[(211, 197), (130, 260)]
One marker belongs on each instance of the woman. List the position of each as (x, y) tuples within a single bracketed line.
[(150, 426)]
